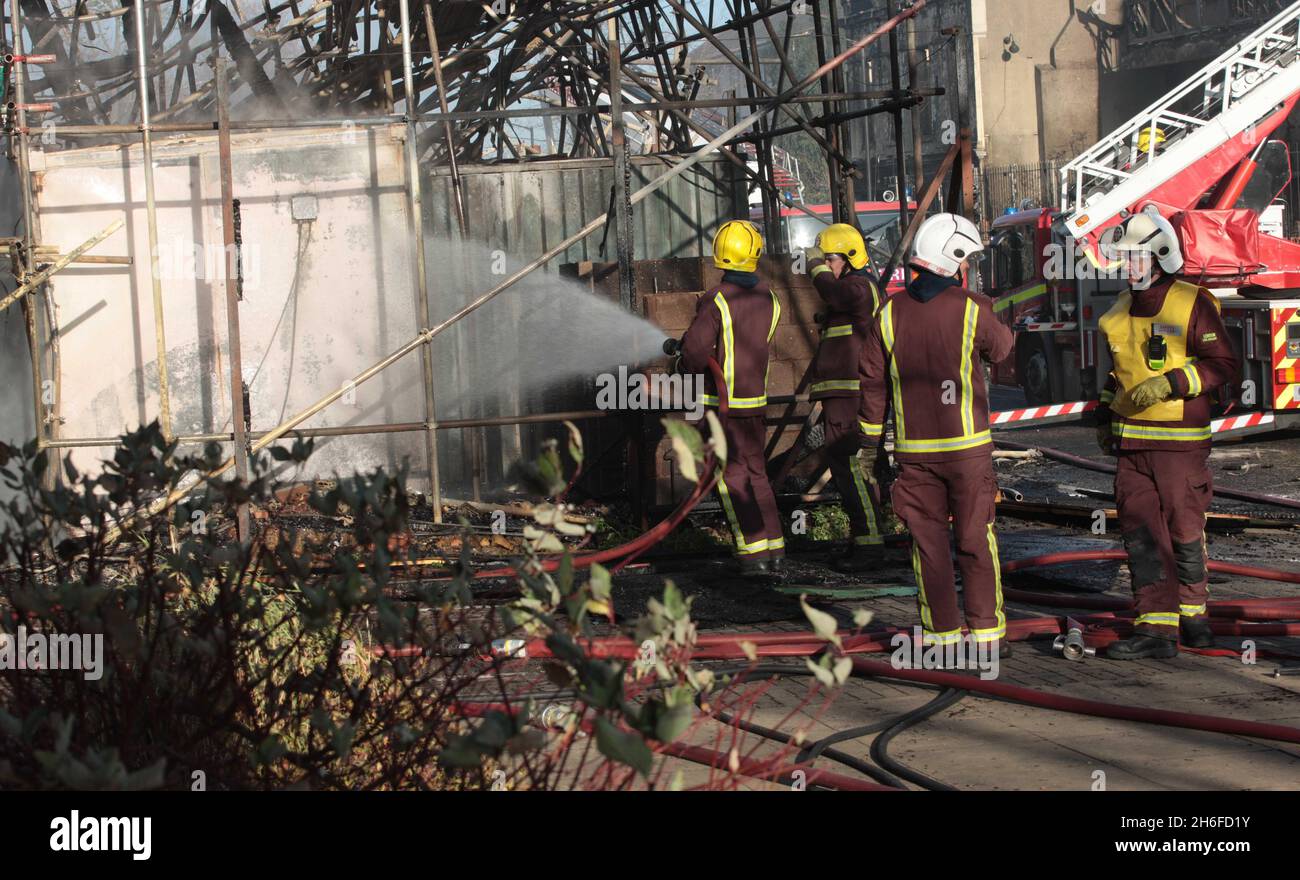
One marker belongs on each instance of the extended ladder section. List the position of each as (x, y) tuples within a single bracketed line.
[(1220, 102)]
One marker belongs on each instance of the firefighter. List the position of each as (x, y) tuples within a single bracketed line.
[(927, 344), (1150, 137), (734, 324), (1169, 349), (839, 267)]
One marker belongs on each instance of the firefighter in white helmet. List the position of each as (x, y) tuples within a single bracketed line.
[(928, 344), (1170, 350)]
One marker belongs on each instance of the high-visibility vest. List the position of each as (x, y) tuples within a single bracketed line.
[(1129, 339)]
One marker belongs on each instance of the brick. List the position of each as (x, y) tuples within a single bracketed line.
[(666, 276), (670, 311), (781, 377), (710, 274), (801, 307), (778, 270), (794, 343)]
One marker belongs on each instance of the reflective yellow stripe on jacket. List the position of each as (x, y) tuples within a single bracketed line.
[(729, 360), (969, 438), (1122, 428), (835, 385)]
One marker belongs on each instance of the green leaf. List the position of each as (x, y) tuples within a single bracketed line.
[(270, 749), (717, 436), (688, 447), (676, 716), (822, 674), (623, 746), (342, 739), (685, 460), (600, 582), (823, 624), (674, 604), (575, 442)]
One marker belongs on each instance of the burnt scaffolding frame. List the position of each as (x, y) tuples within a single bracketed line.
[(668, 112)]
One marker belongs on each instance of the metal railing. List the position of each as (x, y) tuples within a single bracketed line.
[(1018, 187)]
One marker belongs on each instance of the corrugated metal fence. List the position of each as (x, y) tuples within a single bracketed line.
[(514, 214)]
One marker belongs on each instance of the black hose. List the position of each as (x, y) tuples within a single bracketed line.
[(1107, 468), (880, 745), (863, 767), (821, 747), (813, 751)]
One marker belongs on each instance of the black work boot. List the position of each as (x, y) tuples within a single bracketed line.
[(1139, 646), (1195, 632), (858, 558), (776, 566), (753, 568)]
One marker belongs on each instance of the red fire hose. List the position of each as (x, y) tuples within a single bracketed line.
[(768, 770), (1031, 697), (625, 553)]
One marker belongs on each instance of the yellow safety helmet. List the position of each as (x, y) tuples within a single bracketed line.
[(1145, 136), (841, 238), (737, 245)]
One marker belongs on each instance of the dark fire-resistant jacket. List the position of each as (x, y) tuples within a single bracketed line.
[(735, 325), (851, 301), (930, 353)]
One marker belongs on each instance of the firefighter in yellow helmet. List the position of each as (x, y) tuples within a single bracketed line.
[(1148, 137), (841, 272), (1170, 350), (734, 324)]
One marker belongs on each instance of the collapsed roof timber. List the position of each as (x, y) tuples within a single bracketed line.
[(507, 84)]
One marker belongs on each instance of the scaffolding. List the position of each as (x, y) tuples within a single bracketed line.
[(607, 80)]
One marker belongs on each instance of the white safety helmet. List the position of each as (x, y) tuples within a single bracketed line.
[(943, 242), (1148, 231)]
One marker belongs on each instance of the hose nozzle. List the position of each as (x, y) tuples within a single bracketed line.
[(672, 346), (1071, 644)]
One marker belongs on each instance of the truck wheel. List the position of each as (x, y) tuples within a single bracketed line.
[(1033, 371)]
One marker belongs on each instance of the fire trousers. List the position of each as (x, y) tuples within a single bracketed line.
[(844, 438), (1162, 496), (924, 495), (747, 496)]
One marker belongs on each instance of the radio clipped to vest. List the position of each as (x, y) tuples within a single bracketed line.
[(1142, 348), (1157, 351)]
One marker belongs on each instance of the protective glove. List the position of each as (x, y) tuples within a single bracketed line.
[(1151, 392), (813, 257), (1105, 439)]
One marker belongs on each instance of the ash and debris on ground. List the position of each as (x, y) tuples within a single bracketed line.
[(978, 743)]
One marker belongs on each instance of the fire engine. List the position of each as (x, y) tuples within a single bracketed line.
[(1203, 157), (878, 222)]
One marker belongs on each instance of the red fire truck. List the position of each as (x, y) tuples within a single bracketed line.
[(878, 222), (1202, 156)]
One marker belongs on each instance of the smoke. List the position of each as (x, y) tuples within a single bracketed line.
[(539, 343)]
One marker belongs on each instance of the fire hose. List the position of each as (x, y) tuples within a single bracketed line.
[(738, 645), (1107, 468)]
